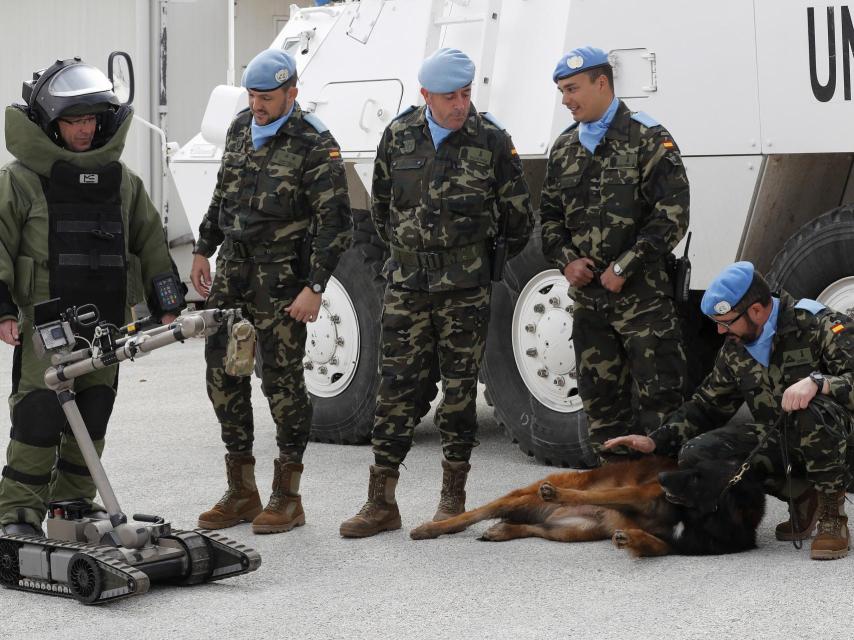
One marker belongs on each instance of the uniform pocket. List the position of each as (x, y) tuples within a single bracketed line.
[(24, 280), (620, 188), (407, 182)]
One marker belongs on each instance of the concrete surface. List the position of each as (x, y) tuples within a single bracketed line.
[(164, 456)]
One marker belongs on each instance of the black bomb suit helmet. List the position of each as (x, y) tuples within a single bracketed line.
[(70, 88)]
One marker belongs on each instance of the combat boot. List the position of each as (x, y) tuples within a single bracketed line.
[(831, 541), (380, 512), (240, 502), (806, 510), (452, 500), (284, 511)]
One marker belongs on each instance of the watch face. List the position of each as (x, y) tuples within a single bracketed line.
[(618, 269), (317, 288)]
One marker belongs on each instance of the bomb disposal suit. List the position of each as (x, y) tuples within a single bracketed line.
[(74, 224)]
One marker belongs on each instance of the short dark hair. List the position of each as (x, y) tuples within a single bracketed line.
[(602, 70), (290, 82), (758, 291)]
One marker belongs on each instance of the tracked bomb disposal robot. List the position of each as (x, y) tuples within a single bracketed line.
[(86, 555)]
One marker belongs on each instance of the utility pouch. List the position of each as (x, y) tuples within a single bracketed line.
[(681, 275), (240, 352)]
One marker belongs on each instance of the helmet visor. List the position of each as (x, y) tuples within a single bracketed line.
[(78, 80)]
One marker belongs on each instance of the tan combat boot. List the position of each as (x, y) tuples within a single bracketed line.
[(452, 500), (240, 502), (831, 541), (380, 512), (806, 510), (284, 511)]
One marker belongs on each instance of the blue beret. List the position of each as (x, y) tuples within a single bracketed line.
[(727, 290), (579, 60), (269, 70), (446, 71)]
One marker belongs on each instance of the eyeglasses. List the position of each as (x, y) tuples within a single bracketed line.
[(82, 121), (726, 324)]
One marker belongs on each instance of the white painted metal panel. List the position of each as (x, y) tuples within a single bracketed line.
[(358, 112), (705, 59), (721, 191), (794, 119)]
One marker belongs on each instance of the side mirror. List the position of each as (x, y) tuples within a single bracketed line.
[(120, 72)]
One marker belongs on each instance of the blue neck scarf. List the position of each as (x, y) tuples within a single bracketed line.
[(760, 348), (437, 131), (590, 134), (262, 133)]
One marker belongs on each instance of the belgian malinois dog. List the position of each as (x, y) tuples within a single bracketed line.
[(647, 506)]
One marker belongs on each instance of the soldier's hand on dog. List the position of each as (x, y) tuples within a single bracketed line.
[(9, 332), (799, 395), (611, 281), (579, 273), (306, 306), (643, 444), (200, 275)]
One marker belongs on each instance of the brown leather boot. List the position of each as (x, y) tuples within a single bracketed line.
[(240, 502), (831, 541), (452, 500), (284, 511), (806, 510), (380, 512)]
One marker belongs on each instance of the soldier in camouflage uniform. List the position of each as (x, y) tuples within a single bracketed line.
[(445, 180), (281, 184), (779, 354), (614, 204)]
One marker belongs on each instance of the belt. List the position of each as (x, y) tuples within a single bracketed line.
[(437, 259), (237, 250)]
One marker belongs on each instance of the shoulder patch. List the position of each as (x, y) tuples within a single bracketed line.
[(315, 122), (810, 305), (645, 119), (491, 118), (406, 111)]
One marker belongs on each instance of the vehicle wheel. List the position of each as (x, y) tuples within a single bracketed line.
[(10, 572), (342, 348), (817, 261), (529, 367), (84, 578)]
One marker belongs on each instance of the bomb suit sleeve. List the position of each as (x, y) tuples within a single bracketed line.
[(12, 210)]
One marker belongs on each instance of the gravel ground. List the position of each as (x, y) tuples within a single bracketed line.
[(164, 456)]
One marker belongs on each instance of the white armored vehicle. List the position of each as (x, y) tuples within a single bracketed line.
[(756, 93)]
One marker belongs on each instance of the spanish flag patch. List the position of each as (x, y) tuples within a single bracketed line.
[(837, 328), (668, 144), (513, 151), (335, 154)]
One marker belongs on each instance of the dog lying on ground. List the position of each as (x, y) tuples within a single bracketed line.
[(647, 506)]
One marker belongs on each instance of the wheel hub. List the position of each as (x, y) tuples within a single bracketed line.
[(542, 341), (332, 344), (839, 296)]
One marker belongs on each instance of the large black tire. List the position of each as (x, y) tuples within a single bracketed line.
[(551, 437), (816, 255), (348, 417)]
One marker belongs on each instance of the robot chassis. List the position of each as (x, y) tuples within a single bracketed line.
[(89, 556)]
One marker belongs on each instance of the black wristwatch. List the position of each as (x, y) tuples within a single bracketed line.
[(818, 378), (316, 287)]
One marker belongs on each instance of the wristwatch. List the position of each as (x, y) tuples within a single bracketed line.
[(618, 270), (818, 378), (316, 287)]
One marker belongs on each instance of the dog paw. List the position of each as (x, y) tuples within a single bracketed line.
[(620, 539), (495, 533), (423, 532), (548, 492)]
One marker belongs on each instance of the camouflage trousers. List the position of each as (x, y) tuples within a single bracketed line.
[(43, 460), (416, 324), (817, 441), (262, 291), (631, 365)]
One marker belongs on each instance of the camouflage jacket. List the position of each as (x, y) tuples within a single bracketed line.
[(266, 199), (803, 343), (439, 210), (626, 203)]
